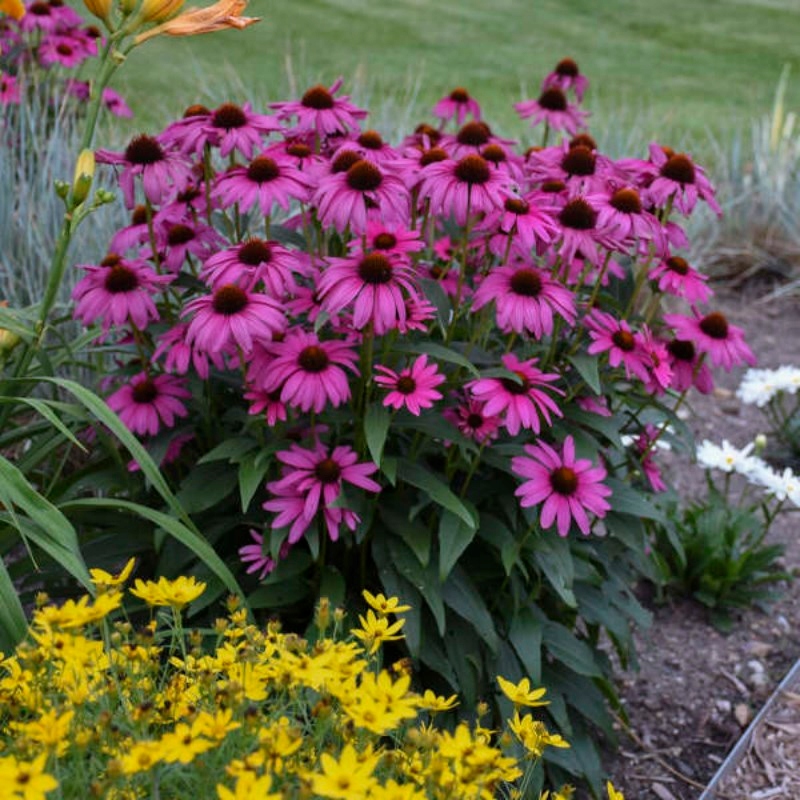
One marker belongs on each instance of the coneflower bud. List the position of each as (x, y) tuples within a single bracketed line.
[(84, 175)]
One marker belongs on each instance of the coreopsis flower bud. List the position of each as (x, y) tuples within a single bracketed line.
[(760, 443), (84, 175), (100, 8)]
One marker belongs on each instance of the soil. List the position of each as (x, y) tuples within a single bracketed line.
[(697, 689)]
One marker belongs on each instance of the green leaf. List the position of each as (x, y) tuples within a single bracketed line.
[(461, 594), (230, 450), (563, 645), (278, 595), (252, 470), (525, 636), (436, 489), (435, 292), (51, 530), (587, 367), (332, 585), (554, 557), (44, 408), (625, 500), (186, 536), (12, 617), (205, 486), (103, 414), (454, 538), (412, 532), (438, 351), (376, 426)]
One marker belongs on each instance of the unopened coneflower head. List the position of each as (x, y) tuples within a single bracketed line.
[(458, 104)]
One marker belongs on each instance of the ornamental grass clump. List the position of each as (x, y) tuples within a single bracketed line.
[(95, 706), (402, 367)]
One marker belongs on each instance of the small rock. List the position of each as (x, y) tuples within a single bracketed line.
[(724, 706), (783, 623), (722, 393), (759, 649), (661, 791), (755, 666), (742, 714)]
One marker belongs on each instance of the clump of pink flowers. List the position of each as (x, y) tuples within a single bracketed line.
[(404, 322)]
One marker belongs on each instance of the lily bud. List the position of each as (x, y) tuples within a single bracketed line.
[(100, 8), (159, 10), (84, 174)]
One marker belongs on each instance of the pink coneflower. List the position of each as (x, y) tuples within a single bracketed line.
[(390, 240), (475, 138), (231, 127), (310, 373), (615, 337), (265, 181), (688, 367), (578, 166), (371, 145), (621, 211), (118, 291), (343, 198), (9, 90), (565, 486), (318, 110), (63, 50), (521, 402), (473, 421), (232, 316), (458, 104), (298, 151), (413, 387), (162, 171), (526, 298), (419, 312), (374, 285), (179, 354), (464, 187), (713, 334), (682, 180), (566, 76), (553, 108), (115, 103), (267, 403), (254, 556), (48, 18), (254, 260), (646, 450), (676, 277), (145, 403), (312, 480), (177, 239), (658, 362), (531, 224), (579, 231)]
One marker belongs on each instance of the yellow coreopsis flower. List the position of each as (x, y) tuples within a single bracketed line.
[(222, 14), (215, 726), (384, 605), (175, 594), (50, 731), (104, 580), (26, 780), (376, 630), (432, 702), (13, 8), (396, 791), (534, 735), (78, 614), (613, 794), (521, 694), (183, 744), (249, 787), (140, 757), (349, 778)]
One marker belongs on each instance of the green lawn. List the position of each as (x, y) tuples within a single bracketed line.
[(670, 69)]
